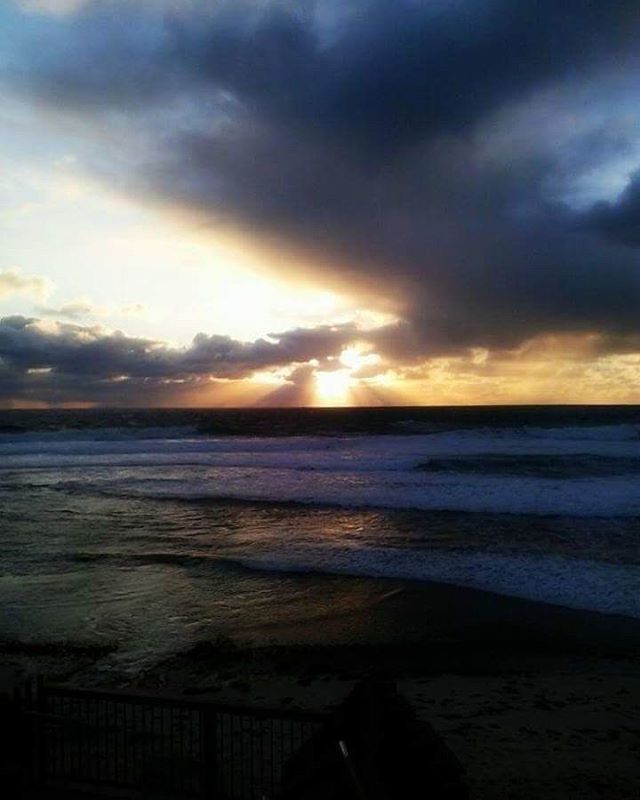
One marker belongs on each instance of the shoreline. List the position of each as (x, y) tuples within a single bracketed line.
[(457, 611), (391, 613), (535, 700)]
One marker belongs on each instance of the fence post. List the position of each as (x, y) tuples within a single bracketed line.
[(209, 752), (40, 733), (12, 756), (27, 730)]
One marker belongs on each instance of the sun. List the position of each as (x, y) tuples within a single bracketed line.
[(333, 388), (354, 358), (336, 387)]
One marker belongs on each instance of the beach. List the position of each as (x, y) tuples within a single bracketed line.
[(320, 367), (486, 562), (536, 700)]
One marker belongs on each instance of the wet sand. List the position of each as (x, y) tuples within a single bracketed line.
[(537, 701)]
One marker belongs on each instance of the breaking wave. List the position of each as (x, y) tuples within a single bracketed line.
[(581, 471)]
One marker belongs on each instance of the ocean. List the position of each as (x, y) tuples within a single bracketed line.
[(154, 530)]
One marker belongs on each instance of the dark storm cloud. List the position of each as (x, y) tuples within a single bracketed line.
[(75, 354), (398, 71), (354, 132), (21, 388), (391, 72), (619, 221)]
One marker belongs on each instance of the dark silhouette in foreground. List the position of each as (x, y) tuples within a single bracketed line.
[(60, 740), (374, 748)]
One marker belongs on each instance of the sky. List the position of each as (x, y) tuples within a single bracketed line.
[(319, 202)]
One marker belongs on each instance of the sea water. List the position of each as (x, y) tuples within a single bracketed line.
[(154, 529)]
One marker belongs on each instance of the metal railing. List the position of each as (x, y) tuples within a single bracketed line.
[(170, 746)]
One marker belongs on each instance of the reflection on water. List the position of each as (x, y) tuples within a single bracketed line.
[(152, 577), (156, 576)]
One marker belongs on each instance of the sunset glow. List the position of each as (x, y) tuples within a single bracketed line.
[(320, 359), (333, 388), (174, 233)]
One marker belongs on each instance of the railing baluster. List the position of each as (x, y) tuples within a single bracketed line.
[(209, 751), (133, 741), (41, 708)]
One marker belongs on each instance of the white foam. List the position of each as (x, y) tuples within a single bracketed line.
[(377, 471), (600, 433), (617, 496), (571, 582), (622, 440), (371, 471)]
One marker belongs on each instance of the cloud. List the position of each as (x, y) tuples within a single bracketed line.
[(76, 350), (80, 309), (133, 310), (62, 362), (619, 221), (13, 281), (585, 368), (387, 144), (55, 362), (55, 7), (390, 72), (75, 310)]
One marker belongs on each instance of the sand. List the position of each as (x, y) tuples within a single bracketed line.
[(537, 701)]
